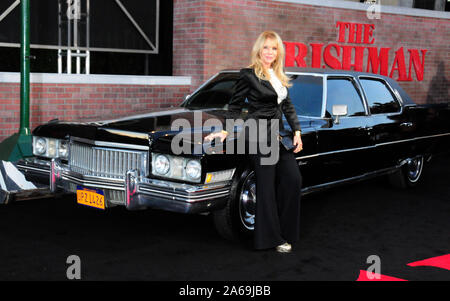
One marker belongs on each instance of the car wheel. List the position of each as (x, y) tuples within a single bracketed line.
[(409, 174), (236, 221)]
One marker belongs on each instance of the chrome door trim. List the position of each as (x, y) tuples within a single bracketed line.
[(371, 146), (311, 189), (411, 139)]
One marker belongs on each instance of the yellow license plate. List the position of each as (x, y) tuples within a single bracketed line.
[(91, 197)]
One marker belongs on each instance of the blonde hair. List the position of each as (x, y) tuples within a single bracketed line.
[(277, 65)]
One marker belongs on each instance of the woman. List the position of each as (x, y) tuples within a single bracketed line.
[(278, 185)]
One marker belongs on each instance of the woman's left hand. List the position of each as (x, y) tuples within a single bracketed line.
[(298, 143)]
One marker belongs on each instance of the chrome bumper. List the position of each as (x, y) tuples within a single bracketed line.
[(134, 191)]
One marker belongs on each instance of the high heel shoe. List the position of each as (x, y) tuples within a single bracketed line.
[(284, 248)]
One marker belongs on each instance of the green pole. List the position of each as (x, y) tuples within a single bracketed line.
[(25, 70), (19, 145)]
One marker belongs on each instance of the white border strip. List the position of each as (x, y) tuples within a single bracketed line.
[(55, 78), (400, 10)]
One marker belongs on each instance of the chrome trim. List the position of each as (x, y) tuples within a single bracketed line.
[(145, 190), (95, 183), (363, 96), (336, 151), (324, 96), (415, 167), (54, 174), (311, 189), (304, 73), (128, 133), (411, 139), (247, 201), (105, 162), (131, 186), (184, 198), (109, 144), (184, 186), (36, 169), (310, 117), (370, 146)]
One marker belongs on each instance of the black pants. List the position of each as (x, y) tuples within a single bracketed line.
[(278, 194)]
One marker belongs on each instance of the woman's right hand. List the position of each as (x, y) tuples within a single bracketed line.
[(222, 135)]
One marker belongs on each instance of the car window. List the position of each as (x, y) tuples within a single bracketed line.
[(215, 94), (306, 94), (379, 97), (342, 91)]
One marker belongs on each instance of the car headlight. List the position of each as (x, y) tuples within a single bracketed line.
[(161, 164), (176, 167), (50, 147), (193, 169), (40, 146), (63, 149)]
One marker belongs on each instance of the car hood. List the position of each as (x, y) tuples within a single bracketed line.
[(151, 128)]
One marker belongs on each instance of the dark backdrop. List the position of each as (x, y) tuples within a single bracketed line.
[(109, 28)]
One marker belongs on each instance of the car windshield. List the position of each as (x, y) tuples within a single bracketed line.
[(305, 93)]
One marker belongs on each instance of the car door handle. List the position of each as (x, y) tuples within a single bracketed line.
[(407, 124)]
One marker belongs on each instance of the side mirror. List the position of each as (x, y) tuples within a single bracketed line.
[(339, 110)]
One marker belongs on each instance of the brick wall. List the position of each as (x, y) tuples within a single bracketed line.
[(83, 102), (214, 35)]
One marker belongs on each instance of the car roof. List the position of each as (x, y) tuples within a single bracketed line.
[(321, 71), (405, 97)]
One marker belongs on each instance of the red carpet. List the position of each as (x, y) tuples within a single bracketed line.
[(363, 276), (442, 262)]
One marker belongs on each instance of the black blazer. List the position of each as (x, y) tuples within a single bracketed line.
[(262, 102)]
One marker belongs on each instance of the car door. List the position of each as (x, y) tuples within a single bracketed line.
[(306, 94), (344, 147), (391, 131)]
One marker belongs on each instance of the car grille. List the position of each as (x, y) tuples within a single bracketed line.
[(105, 162)]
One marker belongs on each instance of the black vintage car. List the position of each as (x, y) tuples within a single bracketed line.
[(354, 126)]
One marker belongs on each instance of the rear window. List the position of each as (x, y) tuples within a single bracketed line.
[(380, 98)]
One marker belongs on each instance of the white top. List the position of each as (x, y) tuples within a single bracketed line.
[(277, 85)]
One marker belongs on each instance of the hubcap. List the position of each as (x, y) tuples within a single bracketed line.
[(414, 168), (247, 202)]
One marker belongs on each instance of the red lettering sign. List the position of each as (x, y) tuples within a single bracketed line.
[(351, 57)]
